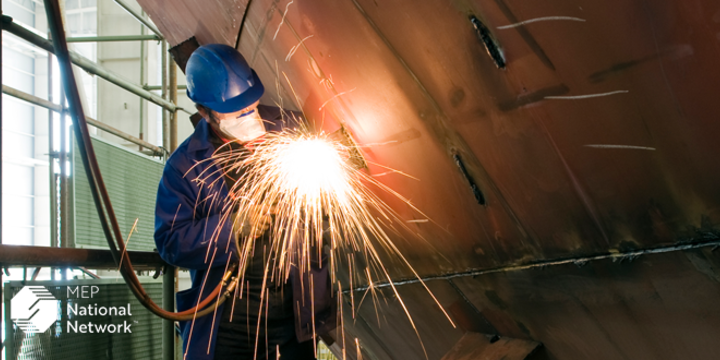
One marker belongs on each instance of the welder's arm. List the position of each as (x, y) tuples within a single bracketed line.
[(183, 236)]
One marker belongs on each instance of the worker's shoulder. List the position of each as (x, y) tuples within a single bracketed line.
[(193, 152), (185, 158)]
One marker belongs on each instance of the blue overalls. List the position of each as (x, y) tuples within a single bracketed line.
[(189, 233)]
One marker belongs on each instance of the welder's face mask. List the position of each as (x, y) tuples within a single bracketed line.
[(243, 126)]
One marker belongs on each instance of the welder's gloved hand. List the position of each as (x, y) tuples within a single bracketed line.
[(256, 225)]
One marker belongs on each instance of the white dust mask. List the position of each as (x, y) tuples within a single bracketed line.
[(246, 127)]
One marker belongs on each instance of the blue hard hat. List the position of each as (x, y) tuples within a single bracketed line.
[(219, 78)]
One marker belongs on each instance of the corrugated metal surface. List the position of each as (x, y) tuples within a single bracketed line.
[(131, 179), (57, 343)]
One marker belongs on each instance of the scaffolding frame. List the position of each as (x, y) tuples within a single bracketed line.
[(63, 256)]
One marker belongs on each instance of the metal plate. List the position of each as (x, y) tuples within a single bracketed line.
[(628, 161)]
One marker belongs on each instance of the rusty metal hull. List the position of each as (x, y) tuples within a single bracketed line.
[(598, 136), (661, 306)]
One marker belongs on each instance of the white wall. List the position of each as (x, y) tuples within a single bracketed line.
[(118, 107), (25, 188)]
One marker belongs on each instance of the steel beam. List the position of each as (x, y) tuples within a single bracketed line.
[(173, 114), (159, 87), (143, 82), (85, 64), (139, 17), (102, 126), (164, 94), (113, 38), (168, 299), (54, 238), (1, 155), (67, 225), (15, 255)]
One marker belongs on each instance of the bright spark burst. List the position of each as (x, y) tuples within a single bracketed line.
[(312, 169), (308, 184)]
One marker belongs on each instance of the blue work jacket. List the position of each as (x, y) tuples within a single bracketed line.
[(189, 233)]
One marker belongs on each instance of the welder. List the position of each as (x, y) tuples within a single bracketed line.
[(191, 233)]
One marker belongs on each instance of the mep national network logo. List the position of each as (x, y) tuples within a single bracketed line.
[(34, 309)]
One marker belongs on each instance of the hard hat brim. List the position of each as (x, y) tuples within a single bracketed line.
[(247, 98)]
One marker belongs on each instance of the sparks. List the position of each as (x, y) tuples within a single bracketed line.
[(310, 184)]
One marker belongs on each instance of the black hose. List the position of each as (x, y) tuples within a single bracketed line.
[(108, 221)]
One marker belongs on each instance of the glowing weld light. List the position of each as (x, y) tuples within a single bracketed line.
[(312, 168)]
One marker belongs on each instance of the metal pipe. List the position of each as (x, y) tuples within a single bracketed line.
[(168, 303), (66, 225), (102, 126), (173, 99), (163, 93), (139, 17), (35, 273), (143, 82), (88, 272), (85, 64), (7, 323), (16, 255), (159, 87), (64, 191), (113, 38), (52, 156)]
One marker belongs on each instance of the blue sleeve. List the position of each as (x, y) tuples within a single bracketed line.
[(187, 230)]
